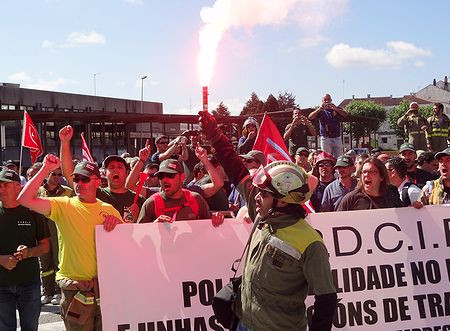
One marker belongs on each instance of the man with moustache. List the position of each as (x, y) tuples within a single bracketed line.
[(415, 175), (344, 184), (117, 170), (76, 218), (373, 190), (437, 192), (174, 203), (286, 257)]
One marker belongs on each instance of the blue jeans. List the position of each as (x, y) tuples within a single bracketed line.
[(27, 298), (332, 145)]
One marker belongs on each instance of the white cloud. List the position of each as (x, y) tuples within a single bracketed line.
[(19, 77), (393, 56), (76, 39)]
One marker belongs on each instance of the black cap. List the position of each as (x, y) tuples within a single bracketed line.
[(170, 166), (301, 149), (87, 169), (9, 176), (344, 161), (115, 158), (407, 147), (445, 152)]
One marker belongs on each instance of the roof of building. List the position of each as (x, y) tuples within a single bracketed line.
[(387, 101)]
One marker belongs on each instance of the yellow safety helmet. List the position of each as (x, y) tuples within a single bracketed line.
[(285, 180)]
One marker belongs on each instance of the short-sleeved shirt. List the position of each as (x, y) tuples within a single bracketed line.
[(330, 123), (20, 226), (119, 200), (298, 138), (147, 213), (76, 223), (333, 195)]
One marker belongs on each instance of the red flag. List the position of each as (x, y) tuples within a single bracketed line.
[(30, 138), (271, 143), (86, 154)]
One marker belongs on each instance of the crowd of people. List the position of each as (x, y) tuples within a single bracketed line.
[(52, 213)]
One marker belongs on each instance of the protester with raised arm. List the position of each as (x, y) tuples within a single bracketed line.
[(76, 218)]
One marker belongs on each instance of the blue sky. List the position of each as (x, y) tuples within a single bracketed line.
[(307, 47)]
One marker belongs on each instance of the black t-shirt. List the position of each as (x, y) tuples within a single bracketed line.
[(20, 226), (119, 200), (298, 138)]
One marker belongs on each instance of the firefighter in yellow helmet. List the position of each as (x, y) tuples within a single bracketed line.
[(286, 256)]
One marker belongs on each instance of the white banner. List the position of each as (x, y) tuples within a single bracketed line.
[(391, 266), (163, 276)]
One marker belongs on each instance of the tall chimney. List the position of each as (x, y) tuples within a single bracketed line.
[(368, 96), (434, 81), (446, 83)]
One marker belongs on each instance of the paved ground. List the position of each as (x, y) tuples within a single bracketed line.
[(50, 320)]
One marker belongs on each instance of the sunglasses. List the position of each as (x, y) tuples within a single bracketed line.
[(325, 164), (163, 175), (56, 174), (250, 161), (151, 175), (83, 179)]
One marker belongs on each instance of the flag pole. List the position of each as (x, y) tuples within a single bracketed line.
[(21, 144)]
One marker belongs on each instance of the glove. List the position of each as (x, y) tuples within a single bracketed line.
[(208, 124)]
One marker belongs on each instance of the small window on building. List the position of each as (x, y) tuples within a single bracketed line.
[(384, 140)]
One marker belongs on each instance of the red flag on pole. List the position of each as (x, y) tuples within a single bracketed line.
[(86, 154), (271, 143), (30, 138)]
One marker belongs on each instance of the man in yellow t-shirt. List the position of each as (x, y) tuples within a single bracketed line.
[(76, 219)]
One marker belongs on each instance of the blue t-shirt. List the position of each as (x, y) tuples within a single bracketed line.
[(330, 123)]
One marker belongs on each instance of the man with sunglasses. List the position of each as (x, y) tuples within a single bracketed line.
[(117, 170), (286, 257), (76, 218), (49, 262), (174, 203), (324, 170)]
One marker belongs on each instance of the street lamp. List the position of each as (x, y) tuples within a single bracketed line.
[(95, 83), (142, 103)]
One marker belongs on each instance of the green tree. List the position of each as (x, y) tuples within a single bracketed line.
[(397, 112), (251, 106), (221, 111), (286, 100), (271, 105), (368, 109)]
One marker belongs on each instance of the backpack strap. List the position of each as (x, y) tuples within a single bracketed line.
[(160, 206), (405, 196), (191, 202)]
